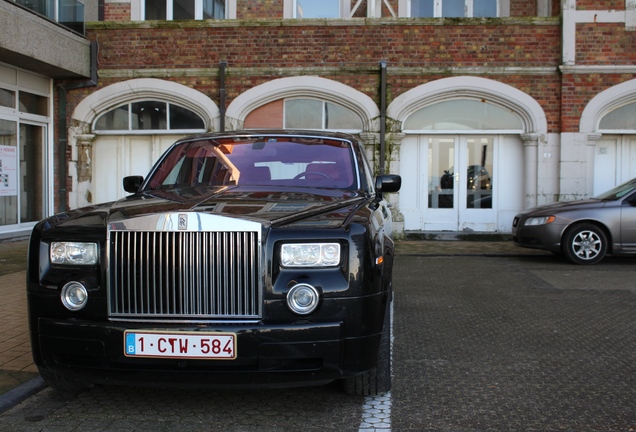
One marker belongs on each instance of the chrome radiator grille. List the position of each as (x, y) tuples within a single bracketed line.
[(184, 275)]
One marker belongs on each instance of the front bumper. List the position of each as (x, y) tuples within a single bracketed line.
[(270, 356), (546, 237)]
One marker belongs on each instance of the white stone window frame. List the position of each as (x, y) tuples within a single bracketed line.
[(138, 11), (374, 8), (503, 8), (289, 9)]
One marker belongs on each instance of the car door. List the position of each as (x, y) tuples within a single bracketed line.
[(628, 223)]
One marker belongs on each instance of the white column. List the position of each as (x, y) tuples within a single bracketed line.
[(590, 152), (530, 167)]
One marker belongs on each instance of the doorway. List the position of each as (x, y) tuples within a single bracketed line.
[(450, 182), (614, 161)]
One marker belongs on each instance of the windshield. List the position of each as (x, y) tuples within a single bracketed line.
[(619, 191), (269, 161)]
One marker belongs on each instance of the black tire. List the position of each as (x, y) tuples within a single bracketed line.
[(376, 381), (64, 382), (584, 243)]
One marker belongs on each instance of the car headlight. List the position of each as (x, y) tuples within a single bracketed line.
[(310, 254), (541, 220), (73, 253)]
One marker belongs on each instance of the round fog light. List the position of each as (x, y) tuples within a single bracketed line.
[(302, 299), (74, 296)]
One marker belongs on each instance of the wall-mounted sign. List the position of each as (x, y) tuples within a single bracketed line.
[(8, 171)]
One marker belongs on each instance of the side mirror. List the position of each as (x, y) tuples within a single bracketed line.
[(387, 183), (133, 183)]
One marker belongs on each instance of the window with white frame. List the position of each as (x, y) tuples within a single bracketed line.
[(455, 8), (148, 115), (305, 113), (321, 9), (184, 9)]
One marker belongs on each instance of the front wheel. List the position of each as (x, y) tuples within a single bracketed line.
[(376, 381), (584, 244)]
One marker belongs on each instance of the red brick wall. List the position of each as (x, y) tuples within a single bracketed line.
[(117, 12), (521, 8), (605, 43), (600, 4), (314, 45), (578, 91), (356, 49), (259, 9)]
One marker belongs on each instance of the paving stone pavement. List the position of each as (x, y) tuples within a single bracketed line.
[(18, 374)]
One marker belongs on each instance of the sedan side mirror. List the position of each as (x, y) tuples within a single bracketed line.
[(387, 183), (133, 183)]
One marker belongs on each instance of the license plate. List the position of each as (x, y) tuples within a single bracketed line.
[(189, 345)]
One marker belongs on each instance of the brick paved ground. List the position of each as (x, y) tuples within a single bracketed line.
[(16, 364)]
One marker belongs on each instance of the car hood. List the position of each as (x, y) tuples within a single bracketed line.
[(326, 207), (566, 206)]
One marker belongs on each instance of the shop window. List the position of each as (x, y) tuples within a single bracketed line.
[(184, 9), (148, 116), (463, 114), (454, 8), (7, 98), (34, 104), (620, 119)]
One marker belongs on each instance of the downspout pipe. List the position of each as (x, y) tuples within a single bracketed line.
[(222, 74), (62, 125), (382, 114)]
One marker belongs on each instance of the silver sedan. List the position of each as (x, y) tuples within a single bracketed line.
[(583, 231)]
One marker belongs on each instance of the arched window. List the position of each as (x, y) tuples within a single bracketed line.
[(462, 115), (147, 116), (620, 119)]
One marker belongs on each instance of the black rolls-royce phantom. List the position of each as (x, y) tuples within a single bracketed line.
[(242, 259)]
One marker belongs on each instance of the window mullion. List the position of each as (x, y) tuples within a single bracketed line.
[(198, 9), (169, 10), (438, 9), (468, 11)]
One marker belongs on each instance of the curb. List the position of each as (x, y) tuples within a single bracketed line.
[(24, 391)]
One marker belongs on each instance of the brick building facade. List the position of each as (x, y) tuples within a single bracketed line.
[(527, 106)]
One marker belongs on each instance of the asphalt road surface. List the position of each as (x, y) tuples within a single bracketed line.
[(480, 344)]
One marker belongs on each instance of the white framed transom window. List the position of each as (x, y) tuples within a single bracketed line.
[(143, 10), (462, 115), (454, 8), (148, 116), (307, 113), (619, 120)]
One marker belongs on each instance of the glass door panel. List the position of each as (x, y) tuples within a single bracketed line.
[(441, 175), (32, 169), (478, 185), (8, 172)]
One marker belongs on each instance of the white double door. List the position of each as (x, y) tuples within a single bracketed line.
[(614, 161), (117, 156), (449, 183)]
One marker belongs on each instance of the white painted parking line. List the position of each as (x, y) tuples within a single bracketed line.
[(376, 411)]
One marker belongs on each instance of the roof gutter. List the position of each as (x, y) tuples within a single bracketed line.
[(382, 114)]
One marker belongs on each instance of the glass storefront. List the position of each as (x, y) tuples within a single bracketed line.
[(24, 125)]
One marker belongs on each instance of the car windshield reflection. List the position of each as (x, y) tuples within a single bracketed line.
[(273, 162), (618, 192)]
